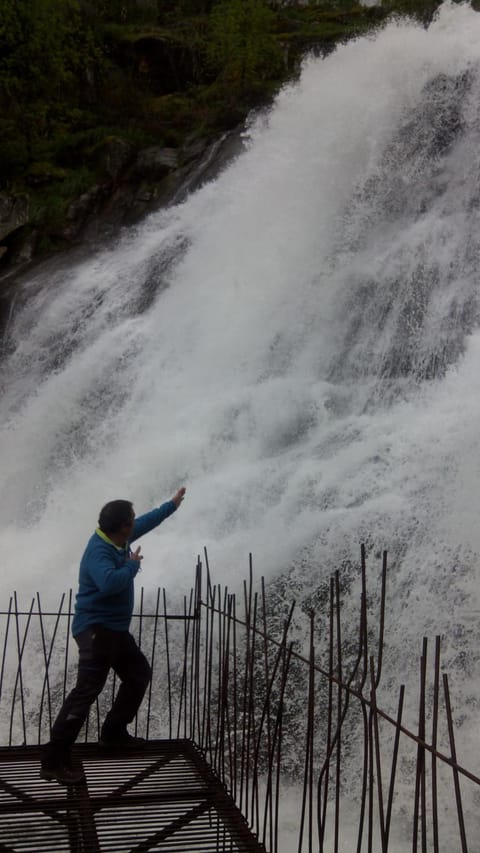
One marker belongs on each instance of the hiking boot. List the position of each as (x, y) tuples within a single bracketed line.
[(62, 773)]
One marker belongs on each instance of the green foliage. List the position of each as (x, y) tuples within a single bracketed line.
[(126, 11), (43, 46), (242, 47), (72, 75), (49, 204), (43, 172), (423, 10), (14, 152)]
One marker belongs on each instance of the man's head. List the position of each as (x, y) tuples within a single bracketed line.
[(116, 519)]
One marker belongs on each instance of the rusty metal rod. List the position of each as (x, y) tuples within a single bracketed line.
[(19, 674), (419, 807), (456, 780), (5, 642), (376, 746), (394, 762), (47, 657), (436, 698), (356, 694), (152, 661)]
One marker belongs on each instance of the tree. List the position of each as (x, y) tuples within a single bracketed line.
[(42, 46), (243, 48)]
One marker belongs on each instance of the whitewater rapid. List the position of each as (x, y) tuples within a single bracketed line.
[(298, 343)]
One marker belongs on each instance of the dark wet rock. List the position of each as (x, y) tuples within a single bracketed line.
[(114, 155), (13, 213), (83, 208), (24, 251), (155, 163)]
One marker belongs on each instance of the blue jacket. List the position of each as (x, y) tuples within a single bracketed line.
[(105, 590)]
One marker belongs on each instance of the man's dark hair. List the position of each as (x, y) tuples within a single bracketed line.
[(114, 515)]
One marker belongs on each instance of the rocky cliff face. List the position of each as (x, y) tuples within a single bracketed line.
[(139, 183), (134, 182), (140, 115)]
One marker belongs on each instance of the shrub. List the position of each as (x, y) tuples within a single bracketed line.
[(242, 47)]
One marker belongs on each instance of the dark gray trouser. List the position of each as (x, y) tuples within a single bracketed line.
[(100, 650)]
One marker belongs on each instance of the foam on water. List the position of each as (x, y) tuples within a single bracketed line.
[(298, 343)]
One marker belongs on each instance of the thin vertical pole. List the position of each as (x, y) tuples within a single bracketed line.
[(19, 674), (152, 661), (169, 675), (5, 642), (67, 645), (420, 792), (436, 697), (456, 778)]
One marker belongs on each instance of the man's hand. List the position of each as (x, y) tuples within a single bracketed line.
[(135, 555), (178, 498)]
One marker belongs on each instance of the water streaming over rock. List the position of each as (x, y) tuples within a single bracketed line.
[(298, 342)]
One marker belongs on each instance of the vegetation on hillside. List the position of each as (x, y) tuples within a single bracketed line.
[(75, 73)]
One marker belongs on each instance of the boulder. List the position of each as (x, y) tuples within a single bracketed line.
[(25, 250), (154, 163), (82, 208), (13, 213), (114, 154)]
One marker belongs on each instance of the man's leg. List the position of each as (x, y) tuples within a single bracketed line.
[(93, 667), (134, 671)]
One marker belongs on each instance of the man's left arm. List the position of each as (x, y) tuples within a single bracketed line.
[(144, 523)]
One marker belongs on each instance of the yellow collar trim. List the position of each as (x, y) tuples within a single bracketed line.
[(109, 541)]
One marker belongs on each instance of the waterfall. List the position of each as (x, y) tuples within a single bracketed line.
[(297, 342)]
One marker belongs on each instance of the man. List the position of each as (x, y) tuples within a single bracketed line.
[(100, 626)]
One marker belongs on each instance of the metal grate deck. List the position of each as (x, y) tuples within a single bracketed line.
[(162, 797)]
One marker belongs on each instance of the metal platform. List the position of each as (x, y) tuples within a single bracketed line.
[(163, 796)]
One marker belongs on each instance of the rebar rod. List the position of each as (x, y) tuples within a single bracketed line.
[(152, 661), (394, 761), (140, 638), (47, 658), (5, 642), (266, 823), (419, 801), (250, 740), (338, 759), (243, 770), (278, 736), (308, 765), (206, 690), (371, 779), (230, 699), (325, 770), (376, 747), (436, 698), (381, 631), (356, 694), (197, 635), (235, 700), (456, 780), (19, 674), (67, 646), (167, 658), (268, 800)]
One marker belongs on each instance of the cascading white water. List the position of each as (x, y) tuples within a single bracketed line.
[(298, 343)]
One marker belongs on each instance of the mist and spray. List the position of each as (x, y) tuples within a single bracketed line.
[(298, 343)]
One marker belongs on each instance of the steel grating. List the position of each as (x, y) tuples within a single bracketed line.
[(163, 797)]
